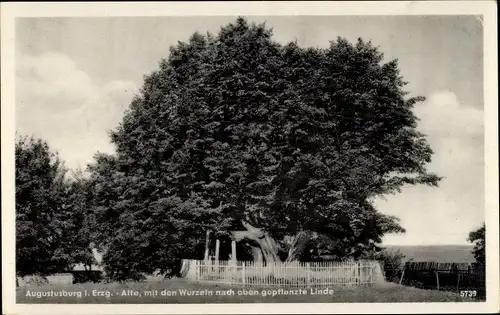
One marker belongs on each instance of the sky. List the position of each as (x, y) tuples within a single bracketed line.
[(75, 77)]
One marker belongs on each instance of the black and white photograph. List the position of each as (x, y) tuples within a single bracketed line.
[(196, 157)]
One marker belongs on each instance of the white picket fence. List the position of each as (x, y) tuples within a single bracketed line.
[(346, 273)]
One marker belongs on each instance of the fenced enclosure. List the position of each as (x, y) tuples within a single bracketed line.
[(313, 274), (453, 277)]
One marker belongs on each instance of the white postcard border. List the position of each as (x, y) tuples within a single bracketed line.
[(486, 9)]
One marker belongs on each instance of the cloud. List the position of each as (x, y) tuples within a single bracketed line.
[(61, 103), (52, 77), (446, 214), (456, 133), (443, 115)]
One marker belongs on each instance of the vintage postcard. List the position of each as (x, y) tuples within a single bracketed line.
[(249, 157)]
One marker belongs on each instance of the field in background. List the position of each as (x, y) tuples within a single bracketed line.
[(386, 293), (468, 279), (437, 253)]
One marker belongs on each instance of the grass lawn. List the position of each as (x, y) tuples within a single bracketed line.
[(171, 291)]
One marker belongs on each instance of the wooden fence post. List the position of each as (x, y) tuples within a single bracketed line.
[(196, 270), (308, 273), (358, 280), (217, 247), (372, 266), (437, 276), (207, 245), (437, 279), (243, 273), (233, 251)]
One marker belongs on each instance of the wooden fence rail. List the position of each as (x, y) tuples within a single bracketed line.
[(439, 276), (311, 274)]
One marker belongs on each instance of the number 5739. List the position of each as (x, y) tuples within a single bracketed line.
[(468, 293)]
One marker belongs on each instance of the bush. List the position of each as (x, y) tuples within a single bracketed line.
[(392, 259), (392, 263)]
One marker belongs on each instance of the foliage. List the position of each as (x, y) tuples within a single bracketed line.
[(391, 262), (80, 219), (392, 258), (235, 131), (147, 239), (47, 231), (478, 237), (39, 195)]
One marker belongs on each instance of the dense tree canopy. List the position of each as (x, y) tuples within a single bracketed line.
[(80, 219), (478, 238), (274, 145), (47, 227)]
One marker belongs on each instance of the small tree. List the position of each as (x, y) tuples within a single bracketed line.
[(80, 220), (40, 189), (49, 234), (393, 263), (477, 237)]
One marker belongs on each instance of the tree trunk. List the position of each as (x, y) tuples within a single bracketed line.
[(257, 254), (296, 245), (266, 244), (217, 247), (268, 248)]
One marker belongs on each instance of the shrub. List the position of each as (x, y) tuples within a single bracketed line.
[(392, 263)]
